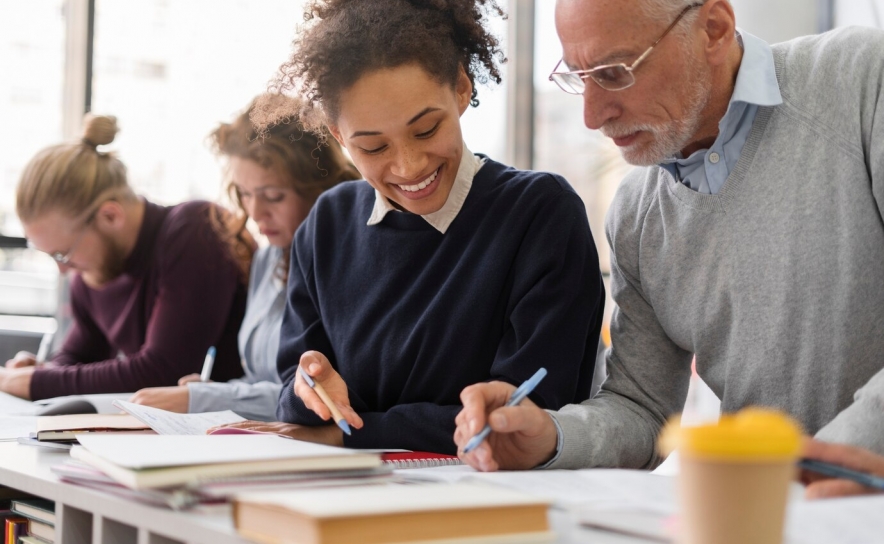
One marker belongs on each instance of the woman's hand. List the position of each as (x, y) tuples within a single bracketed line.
[(821, 487), (22, 359), (320, 369), (190, 378), (330, 435), (173, 399)]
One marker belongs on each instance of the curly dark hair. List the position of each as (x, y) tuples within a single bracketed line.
[(341, 40)]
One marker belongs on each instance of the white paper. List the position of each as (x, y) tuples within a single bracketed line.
[(598, 489), (13, 427), (172, 423), (845, 521), (152, 451), (12, 405)]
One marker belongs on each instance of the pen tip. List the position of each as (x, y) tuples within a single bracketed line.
[(344, 427)]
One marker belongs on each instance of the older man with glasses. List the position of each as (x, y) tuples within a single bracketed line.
[(752, 238)]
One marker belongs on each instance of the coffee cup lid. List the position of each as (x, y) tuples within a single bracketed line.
[(752, 434)]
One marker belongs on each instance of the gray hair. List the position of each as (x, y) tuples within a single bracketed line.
[(665, 11)]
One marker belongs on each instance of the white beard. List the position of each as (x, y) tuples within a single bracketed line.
[(669, 138)]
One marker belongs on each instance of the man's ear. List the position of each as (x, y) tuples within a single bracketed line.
[(719, 26), (110, 215)]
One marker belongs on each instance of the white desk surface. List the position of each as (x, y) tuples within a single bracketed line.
[(87, 516)]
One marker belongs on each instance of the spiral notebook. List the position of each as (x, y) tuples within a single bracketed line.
[(418, 459)]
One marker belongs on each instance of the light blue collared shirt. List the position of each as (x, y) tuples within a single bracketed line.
[(706, 170)]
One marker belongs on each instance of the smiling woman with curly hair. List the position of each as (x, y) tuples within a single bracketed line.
[(443, 268)]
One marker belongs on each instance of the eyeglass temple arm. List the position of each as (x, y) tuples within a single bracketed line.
[(647, 52)]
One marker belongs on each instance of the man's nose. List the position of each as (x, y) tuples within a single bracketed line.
[(599, 106)]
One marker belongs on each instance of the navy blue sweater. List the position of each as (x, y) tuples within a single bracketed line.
[(409, 316)]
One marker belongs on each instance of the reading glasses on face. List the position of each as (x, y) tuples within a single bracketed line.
[(65, 257), (611, 77)]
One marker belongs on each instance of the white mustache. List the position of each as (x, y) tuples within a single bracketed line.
[(620, 131)]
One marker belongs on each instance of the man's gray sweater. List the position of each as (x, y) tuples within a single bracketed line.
[(776, 284)]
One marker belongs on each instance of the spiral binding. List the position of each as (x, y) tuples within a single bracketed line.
[(423, 463)]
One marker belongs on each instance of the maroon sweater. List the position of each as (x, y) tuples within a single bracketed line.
[(180, 292)]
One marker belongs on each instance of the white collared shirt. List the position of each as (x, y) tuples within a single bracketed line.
[(441, 219)]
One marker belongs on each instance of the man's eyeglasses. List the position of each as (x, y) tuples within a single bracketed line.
[(65, 257), (611, 77)]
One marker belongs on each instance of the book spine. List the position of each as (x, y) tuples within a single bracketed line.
[(423, 463), (15, 527)]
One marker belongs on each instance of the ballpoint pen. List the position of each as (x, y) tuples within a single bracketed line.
[(45, 346), (208, 363), (336, 414), (837, 471), (518, 396)]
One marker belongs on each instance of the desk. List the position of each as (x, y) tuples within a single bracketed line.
[(85, 516)]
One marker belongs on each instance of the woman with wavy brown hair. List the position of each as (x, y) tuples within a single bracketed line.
[(275, 177)]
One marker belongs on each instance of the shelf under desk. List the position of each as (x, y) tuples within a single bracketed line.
[(85, 516)]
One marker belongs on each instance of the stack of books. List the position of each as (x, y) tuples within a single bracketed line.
[(180, 470), (39, 521)]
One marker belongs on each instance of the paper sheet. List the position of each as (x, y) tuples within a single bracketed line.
[(598, 489), (172, 423), (13, 427), (845, 521), (11, 405)]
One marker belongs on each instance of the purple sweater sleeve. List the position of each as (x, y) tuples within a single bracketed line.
[(197, 286)]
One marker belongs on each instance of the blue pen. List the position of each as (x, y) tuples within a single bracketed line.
[(323, 396), (518, 396), (208, 363), (836, 471)]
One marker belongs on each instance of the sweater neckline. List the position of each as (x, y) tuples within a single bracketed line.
[(734, 182)]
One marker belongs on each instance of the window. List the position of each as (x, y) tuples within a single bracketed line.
[(859, 12), (32, 52), (171, 70), (562, 144), (32, 34)]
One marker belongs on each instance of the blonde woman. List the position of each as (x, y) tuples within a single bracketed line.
[(274, 178), (153, 287)]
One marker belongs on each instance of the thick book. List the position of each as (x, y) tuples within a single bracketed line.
[(32, 540), (70, 427), (148, 461), (40, 530), (392, 513), (40, 510)]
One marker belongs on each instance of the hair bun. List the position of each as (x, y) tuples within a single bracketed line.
[(99, 129)]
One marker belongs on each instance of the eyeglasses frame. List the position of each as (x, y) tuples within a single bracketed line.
[(64, 258), (583, 74)]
